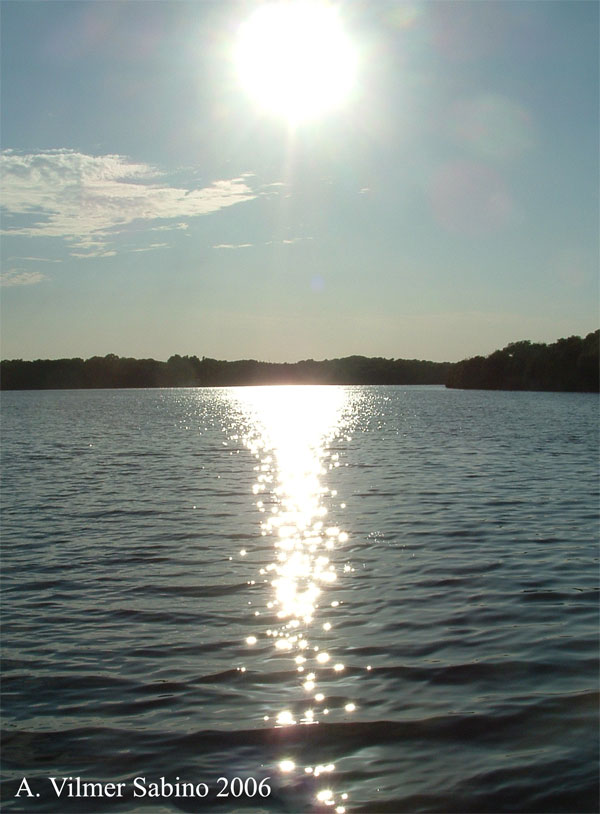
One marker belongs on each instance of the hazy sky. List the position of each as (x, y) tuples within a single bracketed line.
[(151, 206)]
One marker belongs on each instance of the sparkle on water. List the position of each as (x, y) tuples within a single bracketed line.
[(291, 429)]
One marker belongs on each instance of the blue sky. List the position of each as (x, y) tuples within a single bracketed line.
[(152, 207)]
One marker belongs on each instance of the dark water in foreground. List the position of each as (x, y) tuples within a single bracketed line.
[(380, 599)]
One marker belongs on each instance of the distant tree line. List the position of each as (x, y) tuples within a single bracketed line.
[(568, 364), (189, 371)]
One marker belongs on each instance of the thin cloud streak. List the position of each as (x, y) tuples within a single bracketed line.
[(152, 247), (86, 200), (38, 259), (285, 242), (233, 245)]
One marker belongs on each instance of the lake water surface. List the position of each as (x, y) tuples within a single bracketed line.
[(309, 599)]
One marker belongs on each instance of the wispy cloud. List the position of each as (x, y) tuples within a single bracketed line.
[(87, 200), (21, 277), (169, 227), (285, 242), (273, 185), (233, 245), (37, 259), (152, 247), (93, 250)]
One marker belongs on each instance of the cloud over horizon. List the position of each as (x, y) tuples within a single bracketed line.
[(87, 200)]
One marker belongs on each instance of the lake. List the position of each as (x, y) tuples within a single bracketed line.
[(300, 599)]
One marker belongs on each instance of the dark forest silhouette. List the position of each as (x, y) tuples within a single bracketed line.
[(568, 364), (190, 371)]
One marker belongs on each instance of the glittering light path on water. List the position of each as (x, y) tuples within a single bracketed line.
[(290, 431)]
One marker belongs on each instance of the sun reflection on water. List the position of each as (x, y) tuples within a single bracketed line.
[(291, 430)]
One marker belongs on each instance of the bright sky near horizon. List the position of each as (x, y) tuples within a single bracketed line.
[(415, 180)]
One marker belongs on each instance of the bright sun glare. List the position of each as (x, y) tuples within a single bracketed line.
[(295, 59)]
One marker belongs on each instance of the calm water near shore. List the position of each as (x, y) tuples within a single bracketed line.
[(309, 599)]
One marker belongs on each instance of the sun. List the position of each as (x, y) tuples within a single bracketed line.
[(295, 59)]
